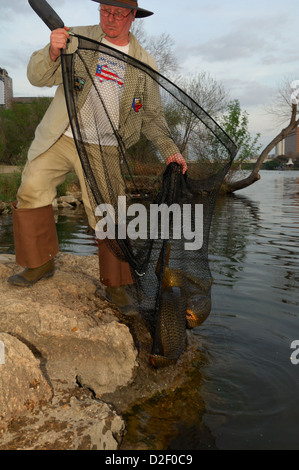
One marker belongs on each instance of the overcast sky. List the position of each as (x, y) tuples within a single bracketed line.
[(250, 46)]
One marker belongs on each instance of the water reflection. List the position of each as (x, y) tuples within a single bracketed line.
[(74, 233), (6, 237)]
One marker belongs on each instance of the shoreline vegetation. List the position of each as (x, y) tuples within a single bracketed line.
[(18, 125), (10, 180)]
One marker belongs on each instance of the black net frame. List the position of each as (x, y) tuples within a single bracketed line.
[(173, 285)]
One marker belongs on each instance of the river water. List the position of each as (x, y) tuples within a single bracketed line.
[(255, 262), (246, 393)]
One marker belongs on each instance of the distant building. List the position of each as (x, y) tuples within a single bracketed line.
[(289, 146), (280, 148), (2, 97), (292, 144), (6, 91)]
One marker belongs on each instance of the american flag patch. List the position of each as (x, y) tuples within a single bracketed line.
[(105, 73)]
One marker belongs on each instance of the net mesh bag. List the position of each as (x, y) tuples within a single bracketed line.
[(126, 120)]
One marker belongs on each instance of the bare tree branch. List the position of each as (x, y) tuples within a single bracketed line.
[(161, 47), (254, 175)]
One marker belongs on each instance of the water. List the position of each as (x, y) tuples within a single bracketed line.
[(245, 388), (72, 230), (250, 382)]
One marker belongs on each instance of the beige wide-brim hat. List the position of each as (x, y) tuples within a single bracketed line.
[(133, 4)]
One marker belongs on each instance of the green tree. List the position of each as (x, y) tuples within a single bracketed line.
[(17, 128), (235, 123)]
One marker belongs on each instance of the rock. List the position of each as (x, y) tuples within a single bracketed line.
[(54, 316), (5, 208), (7, 259), (59, 333), (78, 345), (5, 271), (68, 201), (66, 205), (22, 384), (67, 424), (75, 194)]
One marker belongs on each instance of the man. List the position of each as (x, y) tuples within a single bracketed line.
[(53, 154)]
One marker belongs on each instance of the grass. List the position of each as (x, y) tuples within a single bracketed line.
[(71, 182), (10, 182)]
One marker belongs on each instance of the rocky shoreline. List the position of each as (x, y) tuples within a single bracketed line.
[(73, 364), (71, 200)]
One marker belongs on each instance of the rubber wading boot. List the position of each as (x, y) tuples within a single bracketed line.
[(30, 276), (121, 299), (113, 270)]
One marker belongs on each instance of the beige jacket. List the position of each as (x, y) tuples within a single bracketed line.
[(149, 120)]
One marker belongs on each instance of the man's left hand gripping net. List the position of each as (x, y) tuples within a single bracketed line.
[(127, 120)]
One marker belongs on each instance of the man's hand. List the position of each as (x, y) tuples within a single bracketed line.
[(58, 40), (179, 159)]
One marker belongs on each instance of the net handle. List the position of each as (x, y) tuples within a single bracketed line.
[(47, 14)]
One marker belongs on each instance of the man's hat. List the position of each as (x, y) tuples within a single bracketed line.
[(141, 13)]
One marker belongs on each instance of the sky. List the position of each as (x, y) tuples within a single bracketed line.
[(250, 47)]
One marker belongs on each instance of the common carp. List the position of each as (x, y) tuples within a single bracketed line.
[(176, 278), (185, 303), (196, 291), (170, 334), (198, 304), (198, 310)]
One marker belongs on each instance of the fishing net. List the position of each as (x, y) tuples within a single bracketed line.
[(126, 120)]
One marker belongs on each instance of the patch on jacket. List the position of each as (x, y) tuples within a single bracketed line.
[(136, 104), (79, 83), (109, 72)]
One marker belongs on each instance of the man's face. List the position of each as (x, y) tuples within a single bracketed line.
[(118, 25)]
